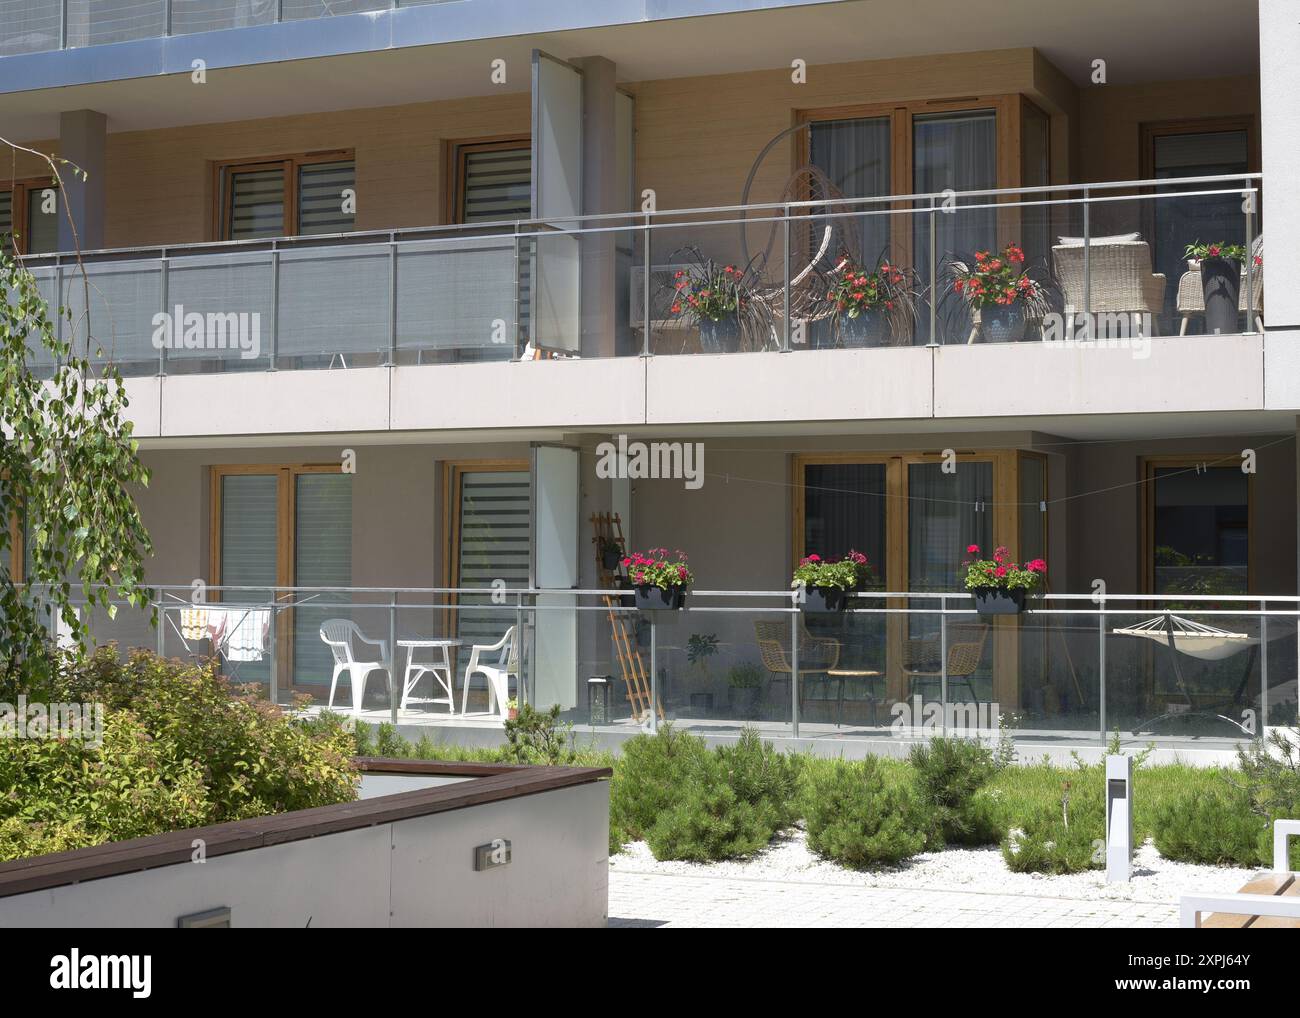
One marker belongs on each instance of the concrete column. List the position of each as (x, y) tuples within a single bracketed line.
[(599, 194), (82, 135)]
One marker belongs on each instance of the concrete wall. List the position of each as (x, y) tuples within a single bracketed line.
[(411, 873)]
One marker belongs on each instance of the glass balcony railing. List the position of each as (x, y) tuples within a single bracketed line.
[(1092, 264), (37, 26)]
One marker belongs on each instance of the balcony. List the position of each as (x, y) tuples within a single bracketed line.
[(1103, 267)]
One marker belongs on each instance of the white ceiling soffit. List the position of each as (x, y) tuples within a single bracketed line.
[(1151, 40)]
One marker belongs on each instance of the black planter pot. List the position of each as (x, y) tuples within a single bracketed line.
[(995, 601), (823, 600), (650, 599), (611, 558), (1221, 281), (869, 328), (722, 336), (1003, 323)]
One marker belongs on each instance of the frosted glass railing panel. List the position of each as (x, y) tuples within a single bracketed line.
[(189, 16), (96, 22), (123, 299), (334, 307), (303, 10), (234, 293), (456, 302), (28, 26)]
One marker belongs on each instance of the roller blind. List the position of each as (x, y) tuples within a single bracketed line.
[(494, 535), (322, 558), (497, 185), (256, 204), (321, 199)]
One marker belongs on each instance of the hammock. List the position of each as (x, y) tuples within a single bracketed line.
[(1191, 638)]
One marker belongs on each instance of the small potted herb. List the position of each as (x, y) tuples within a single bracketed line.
[(824, 584), (745, 687), (716, 298), (871, 307), (998, 585), (660, 582), (1001, 296), (512, 709), (1221, 282)]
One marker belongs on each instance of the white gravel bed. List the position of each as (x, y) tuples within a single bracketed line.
[(979, 870)]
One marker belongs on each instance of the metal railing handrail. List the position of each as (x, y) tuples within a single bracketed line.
[(640, 221)]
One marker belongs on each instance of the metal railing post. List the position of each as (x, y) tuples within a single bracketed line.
[(1262, 727), (654, 676), (392, 302), (934, 273), (1250, 260), (1101, 663), (1087, 263), (274, 345), (785, 275), (394, 692), (645, 291), (167, 15), (273, 668), (518, 346), (162, 288), (63, 25), (521, 692), (794, 674), (943, 659)]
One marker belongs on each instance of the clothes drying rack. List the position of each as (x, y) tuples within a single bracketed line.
[(221, 647)]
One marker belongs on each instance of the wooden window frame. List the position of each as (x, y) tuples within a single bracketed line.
[(1147, 466), (1007, 110), (1005, 531), (285, 542), (453, 473), (457, 153), (1149, 131), (20, 206), (288, 164)]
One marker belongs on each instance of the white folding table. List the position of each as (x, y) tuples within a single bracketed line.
[(439, 666)]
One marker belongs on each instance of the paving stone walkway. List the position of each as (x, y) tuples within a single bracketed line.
[(654, 899)]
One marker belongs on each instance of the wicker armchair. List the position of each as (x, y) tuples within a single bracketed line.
[(1191, 293), (1120, 276), (817, 654), (922, 657)]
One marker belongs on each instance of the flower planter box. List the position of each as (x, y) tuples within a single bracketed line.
[(720, 336), (1221, 284), (649, 598), (824, 600), (868, 328), (995, 601)]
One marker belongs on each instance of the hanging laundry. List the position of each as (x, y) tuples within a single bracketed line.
[(246, 641), (194, 623)]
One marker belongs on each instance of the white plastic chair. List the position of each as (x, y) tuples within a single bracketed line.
[(338, 635), (497, 675)]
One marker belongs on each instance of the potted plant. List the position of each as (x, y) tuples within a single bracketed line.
[(1221, 282), (512, 709), (870, 307), (1001, 296), (716, 299), (611, 554), (998, 585), (744, 688), (660, 582), (824, 584)]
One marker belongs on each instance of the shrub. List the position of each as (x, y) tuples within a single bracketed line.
[(648, 780), (1216, 827), (709, 820), (537, 737), (1270, 780), (181, 748), (856, 819), (763, 777), (1064, 836), (948, 774)]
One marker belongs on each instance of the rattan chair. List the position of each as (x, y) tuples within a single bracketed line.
[(922, 657), (1120, 277), (1191, 292), (817, 654)]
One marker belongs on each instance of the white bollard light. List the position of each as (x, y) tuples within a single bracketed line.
[(1119, 818)]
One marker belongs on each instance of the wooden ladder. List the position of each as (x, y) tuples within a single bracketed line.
[(607, 528)]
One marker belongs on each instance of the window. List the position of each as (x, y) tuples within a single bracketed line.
[(492, 181), (289, 196), (29, 212), (487, 513), (281, 526), (1198, 527)]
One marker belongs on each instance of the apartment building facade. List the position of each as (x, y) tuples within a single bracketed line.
[(396, 288)]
